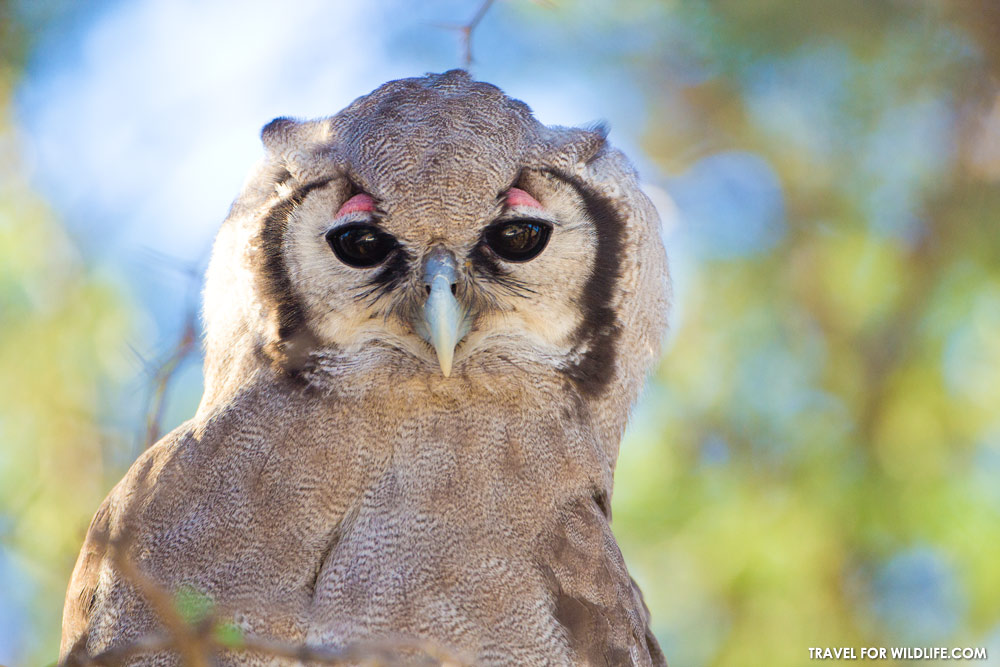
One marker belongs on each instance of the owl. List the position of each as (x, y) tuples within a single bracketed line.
[(426, 320)]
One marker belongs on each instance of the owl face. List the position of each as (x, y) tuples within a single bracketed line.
[(441, 276), (434, 228)]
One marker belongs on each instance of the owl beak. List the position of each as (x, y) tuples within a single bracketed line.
[(444, 320)]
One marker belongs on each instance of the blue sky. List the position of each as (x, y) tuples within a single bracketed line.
[(142, 119)]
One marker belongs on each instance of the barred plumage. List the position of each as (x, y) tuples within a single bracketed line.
[(416, 439)]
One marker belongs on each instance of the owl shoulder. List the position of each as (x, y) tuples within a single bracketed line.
[(112, 527)]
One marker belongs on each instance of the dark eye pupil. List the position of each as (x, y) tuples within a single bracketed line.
[(519, 240), (360, 245), (363, 244), (520, 237)]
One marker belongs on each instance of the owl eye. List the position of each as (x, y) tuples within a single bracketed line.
[(360, 246), (518, 240)]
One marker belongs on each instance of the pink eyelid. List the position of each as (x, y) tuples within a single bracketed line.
[(360, 203), (518, 197)]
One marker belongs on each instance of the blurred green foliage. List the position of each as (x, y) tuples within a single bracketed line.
[(60, 327), (817, 461)]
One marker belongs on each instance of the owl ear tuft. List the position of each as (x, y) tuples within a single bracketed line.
[(567, 147), (277, 131), (284, 134), (601, 129)]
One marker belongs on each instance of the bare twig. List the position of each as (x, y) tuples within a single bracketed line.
[(466, 31), (199, 643), (117, 655), (186, 640), (386, 650), (164, 373)]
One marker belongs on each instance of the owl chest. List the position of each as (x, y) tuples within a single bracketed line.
[(433, 568), (442, 539), (385, 519)]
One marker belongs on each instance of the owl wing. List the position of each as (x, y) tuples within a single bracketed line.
[(240, 507), (595, 600), (82, 591), (94, 575)]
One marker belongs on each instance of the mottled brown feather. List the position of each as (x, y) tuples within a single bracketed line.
[(334, 487)]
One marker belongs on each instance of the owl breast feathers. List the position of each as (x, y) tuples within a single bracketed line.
[(426, 319)]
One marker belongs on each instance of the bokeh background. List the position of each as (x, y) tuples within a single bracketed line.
[(816, 461)]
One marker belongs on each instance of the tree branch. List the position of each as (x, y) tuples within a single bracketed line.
[(466, 31), (199, 643), (165, 372)]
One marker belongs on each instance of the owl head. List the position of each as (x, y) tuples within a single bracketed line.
[(434, 229)]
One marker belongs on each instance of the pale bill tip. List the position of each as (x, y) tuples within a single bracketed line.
[(445, 358), (443, 317)]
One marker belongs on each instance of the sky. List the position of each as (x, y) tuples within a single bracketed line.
[(142, 119)]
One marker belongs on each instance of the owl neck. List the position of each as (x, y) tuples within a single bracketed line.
[(508, 417)]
